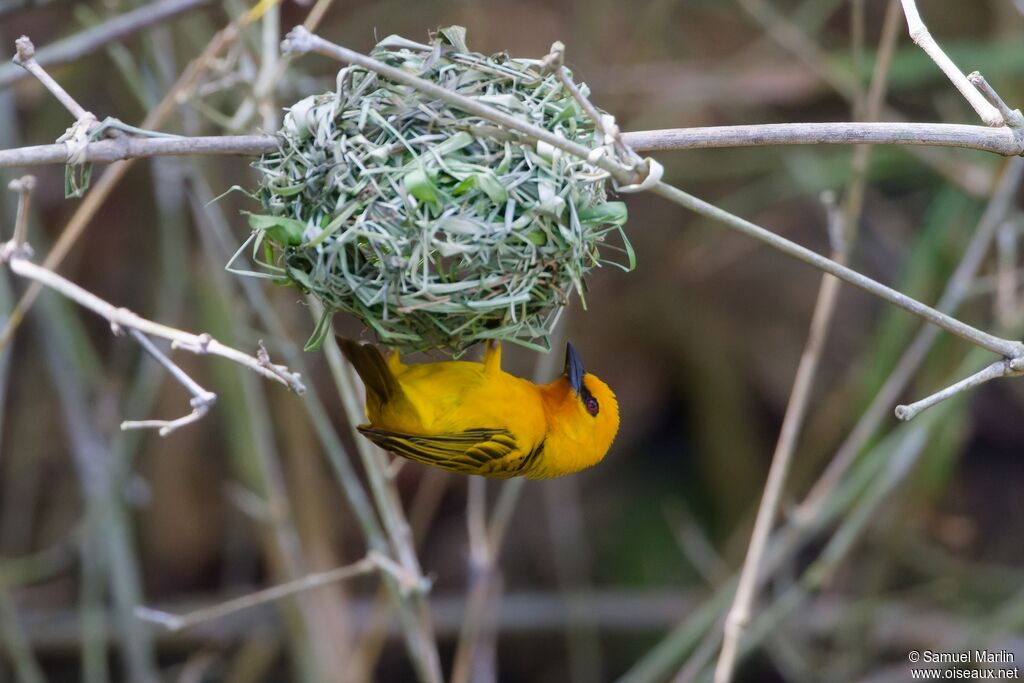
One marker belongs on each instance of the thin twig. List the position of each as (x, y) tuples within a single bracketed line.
[(796, 410), (923, 37), (23, 186), (1002, 347), (555, 62), (20, 265), (994, 140), (1011, 117), (201, 398), (175, 622), (957, 288), (1002, 368), (25, 58), (107, 151)]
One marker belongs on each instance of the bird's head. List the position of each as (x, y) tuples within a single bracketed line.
[(587, 414)]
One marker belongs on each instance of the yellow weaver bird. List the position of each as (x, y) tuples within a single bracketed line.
[(475, 418)]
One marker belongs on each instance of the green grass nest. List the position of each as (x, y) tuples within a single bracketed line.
[(438, 229)]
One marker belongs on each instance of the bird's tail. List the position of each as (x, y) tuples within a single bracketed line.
[(372, 368)]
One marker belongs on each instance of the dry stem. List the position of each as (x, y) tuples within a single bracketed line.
[(920, 35), (796, 410), (1008, 367), (842, 229), (174, 622), (994, 140), (201, 398)]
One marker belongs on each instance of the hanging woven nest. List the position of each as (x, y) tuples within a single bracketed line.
[(437, 228)]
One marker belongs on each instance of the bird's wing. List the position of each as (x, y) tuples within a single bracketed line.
[(488, 452)]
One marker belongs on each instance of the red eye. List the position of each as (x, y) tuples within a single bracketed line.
[(591, 405)]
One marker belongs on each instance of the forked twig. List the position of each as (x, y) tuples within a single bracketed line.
[(920, 34), (122, 317), (1012, 365), (17, 254), (201, 398)]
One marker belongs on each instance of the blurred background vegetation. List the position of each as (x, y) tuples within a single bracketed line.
[(617, 573)]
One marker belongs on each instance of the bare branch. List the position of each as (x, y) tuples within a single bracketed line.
[(799, 399), (175, 622), (106, 151), (25, 58), (956, 290), (920, 35), (23, 186), (995, 140), (998, 345), (20, 265), (1003, 368), (201, 398), (1011, 117)]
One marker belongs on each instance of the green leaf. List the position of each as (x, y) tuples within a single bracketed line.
[(492, 187), (465, 186), (320, 332), (630, 264), (284, 231), (76, 180), (609, 213), (455, 36), (537, 237), (571, 110), (333, 226), (420, 186), (455, 143), (287, 190)]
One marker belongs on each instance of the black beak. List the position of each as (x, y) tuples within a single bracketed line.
[(574, 368)]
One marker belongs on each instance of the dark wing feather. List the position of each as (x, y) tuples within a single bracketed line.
[(488, 452), (372, 369)]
